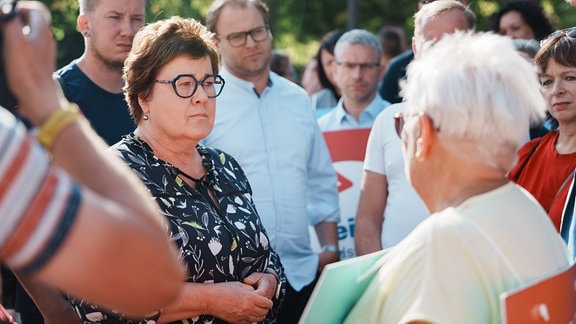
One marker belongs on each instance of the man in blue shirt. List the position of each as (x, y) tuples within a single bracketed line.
[(94, 81), (267, 123), (358, 69)]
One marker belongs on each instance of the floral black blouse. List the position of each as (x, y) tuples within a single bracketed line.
[(218, 243)]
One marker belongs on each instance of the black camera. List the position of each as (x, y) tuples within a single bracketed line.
[(7, 12)]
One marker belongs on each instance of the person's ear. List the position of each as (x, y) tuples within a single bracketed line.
[(144, 105), (83, 25), (426, 139)]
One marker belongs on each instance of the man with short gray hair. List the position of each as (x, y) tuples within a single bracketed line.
[(357, 72)]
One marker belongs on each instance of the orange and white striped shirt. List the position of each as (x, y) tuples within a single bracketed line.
[(38, 201)]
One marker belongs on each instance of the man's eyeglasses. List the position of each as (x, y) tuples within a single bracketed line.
[(185, 85), (258, 34), (363, 66), (568, 32)]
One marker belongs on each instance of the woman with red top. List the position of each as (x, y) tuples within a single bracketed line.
[(545, 165)]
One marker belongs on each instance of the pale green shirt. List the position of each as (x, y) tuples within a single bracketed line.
[(454, 265)]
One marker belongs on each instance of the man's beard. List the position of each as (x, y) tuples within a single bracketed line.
[(112, 65)]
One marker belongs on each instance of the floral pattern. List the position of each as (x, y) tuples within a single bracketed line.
[(218, 243)]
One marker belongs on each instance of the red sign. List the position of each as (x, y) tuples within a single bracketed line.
[(551, 300), (347, 149)]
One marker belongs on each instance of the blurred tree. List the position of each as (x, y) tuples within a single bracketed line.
[(297, 25)]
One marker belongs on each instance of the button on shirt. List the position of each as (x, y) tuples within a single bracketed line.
[(275, 138), (339, 119)]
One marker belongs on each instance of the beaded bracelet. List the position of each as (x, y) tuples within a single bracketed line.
[(55, 124)]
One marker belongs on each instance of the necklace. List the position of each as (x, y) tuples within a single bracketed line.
[(196, 180)]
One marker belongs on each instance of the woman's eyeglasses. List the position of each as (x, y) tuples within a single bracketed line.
[(568, 32), (185, 85), (399, 121)]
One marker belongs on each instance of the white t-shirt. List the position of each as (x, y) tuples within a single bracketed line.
[(404, 208)]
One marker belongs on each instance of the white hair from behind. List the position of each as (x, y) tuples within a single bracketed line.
[(476, 87)]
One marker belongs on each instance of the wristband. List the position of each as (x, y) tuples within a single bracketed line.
[(330, 248), (55, 124)]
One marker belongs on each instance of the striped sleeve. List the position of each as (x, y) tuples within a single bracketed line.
[(38, 201)]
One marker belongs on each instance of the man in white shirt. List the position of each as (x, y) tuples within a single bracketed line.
[(267, 123), (389, 208), (357, 73)]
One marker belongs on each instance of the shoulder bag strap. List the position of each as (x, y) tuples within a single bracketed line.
[(525, 161), (568, 178), (568, 212)]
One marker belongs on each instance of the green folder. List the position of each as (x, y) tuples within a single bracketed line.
[(338, 289)]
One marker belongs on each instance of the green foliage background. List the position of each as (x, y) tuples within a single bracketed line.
[(297, 25)]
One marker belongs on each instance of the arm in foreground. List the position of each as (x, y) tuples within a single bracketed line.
[(116, 223)]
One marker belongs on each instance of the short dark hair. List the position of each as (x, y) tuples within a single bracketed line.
[(532, 13), (391, 40)]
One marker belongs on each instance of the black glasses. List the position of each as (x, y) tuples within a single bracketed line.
[(363, 66), (185, 85), (568, 32), (258, 34)]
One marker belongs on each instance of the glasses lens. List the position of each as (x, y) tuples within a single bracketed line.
[(399, 123), (213, 85), (259, 34), (237, 39), (185, 86)]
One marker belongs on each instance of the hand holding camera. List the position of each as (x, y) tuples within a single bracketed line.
[(29, 52)]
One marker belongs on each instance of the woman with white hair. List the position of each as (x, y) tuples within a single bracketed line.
[(469, 102)]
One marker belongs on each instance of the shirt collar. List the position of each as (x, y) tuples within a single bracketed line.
[(372, 110), (243, 84)]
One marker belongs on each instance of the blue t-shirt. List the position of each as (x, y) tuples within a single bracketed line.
[(107, 112)]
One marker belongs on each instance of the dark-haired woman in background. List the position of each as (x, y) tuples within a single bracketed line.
[(522, 19), (329, 95)]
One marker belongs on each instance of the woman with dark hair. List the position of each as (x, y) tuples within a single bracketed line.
[(522, 19), (329, 95), (233, 274), (545, 165)]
